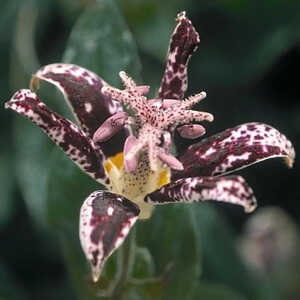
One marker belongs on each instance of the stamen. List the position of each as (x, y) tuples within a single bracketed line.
[(132, 150), (110, 127), (170, 160), (167, 141), (200, 116), (191, 131)]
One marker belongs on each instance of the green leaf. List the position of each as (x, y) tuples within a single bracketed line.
[(143, 264), (9, 288), (146, 291), (101, 42), (212, 291), (170, 236), (7, 17), (221, 261), (32, 158), (7, 200), (68, 187)]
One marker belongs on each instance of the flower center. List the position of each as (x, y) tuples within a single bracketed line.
[(135, 186), (153, 122), (146, 161)]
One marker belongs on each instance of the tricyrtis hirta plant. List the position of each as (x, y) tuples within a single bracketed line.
[(125, 142)]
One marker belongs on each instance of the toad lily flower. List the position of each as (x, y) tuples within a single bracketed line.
[(130, 153)]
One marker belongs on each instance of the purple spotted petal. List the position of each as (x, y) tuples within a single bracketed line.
[(82, 91), (105, 221), (73, 141), (230, 189), (183, 43), (234, 149)]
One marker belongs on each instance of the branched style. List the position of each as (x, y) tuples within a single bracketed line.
[(152, 120), (129, 152)]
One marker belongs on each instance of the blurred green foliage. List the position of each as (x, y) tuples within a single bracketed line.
[(188, 251)]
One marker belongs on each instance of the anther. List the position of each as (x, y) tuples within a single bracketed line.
[(191, 131), (170, 160), (132, 150), (110, 127)]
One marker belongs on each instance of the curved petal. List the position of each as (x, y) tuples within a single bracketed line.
[(72, 140), (234, 149), (230, 189), (105, 221), (82, 91), (184, 42)]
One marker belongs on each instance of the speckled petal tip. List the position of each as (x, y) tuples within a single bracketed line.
[(230, 189), (105, 221), (234, 149), (82, 91), (184, 42), (71, 139)]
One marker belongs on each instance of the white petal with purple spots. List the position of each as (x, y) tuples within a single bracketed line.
[(105, 221), (73, 141), (230, 189), (234, 149)]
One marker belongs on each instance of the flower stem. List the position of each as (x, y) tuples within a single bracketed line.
[(127, 254)]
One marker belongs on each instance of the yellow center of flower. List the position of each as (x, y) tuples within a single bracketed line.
[(135, 186)]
